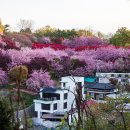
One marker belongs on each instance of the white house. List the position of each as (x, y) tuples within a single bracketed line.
[(50, 101), (121, 77), (60, 99), (70, 84)]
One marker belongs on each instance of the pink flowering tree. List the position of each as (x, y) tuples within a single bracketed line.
[(83, 41), (60, 67), (68, 61), (39, 79), (5, 60), (3, 77), (37, 64), (80, 71), (22, 39), (110, 53), (66, 66)]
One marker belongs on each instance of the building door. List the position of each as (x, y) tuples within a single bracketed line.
[(97, 96)]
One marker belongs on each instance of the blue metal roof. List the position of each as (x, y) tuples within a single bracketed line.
[(103, 86), (48, 90), (51, 89)]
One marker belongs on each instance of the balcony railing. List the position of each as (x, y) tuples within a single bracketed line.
[(48, 99)]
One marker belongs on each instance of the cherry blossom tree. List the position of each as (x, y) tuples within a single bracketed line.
[(39, 79), (4, 60), (3, 77), (84, 41)]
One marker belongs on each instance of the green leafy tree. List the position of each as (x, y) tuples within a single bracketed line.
[(121, 37), (47, 31), (85, 32), (55, 34), (6, 115)]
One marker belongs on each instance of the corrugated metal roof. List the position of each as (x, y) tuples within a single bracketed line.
[(103, 86), (50, 90)]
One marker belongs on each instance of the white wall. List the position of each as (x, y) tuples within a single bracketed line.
[(38, 106), (70, 83), (103, 80), (60, 104), (109, 74), (104, 77)]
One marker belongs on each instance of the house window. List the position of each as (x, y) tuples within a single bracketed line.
[(112, 75), (97, 79), (119, 75), (65, 95), (92, 95), (126, 75), (55, 106), (45, 106), (100, 96), (52, 96), (64, 84), (124, 80), (65, 105)]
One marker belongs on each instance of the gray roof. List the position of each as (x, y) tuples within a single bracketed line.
[(48, 90), (102, 86), (51, 89)]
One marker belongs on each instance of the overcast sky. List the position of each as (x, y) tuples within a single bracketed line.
[(99, 15)]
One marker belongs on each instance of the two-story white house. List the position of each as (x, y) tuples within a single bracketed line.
[(51, 100), (58, 99)]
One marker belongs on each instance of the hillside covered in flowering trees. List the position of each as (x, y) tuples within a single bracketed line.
[(79, 57)]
